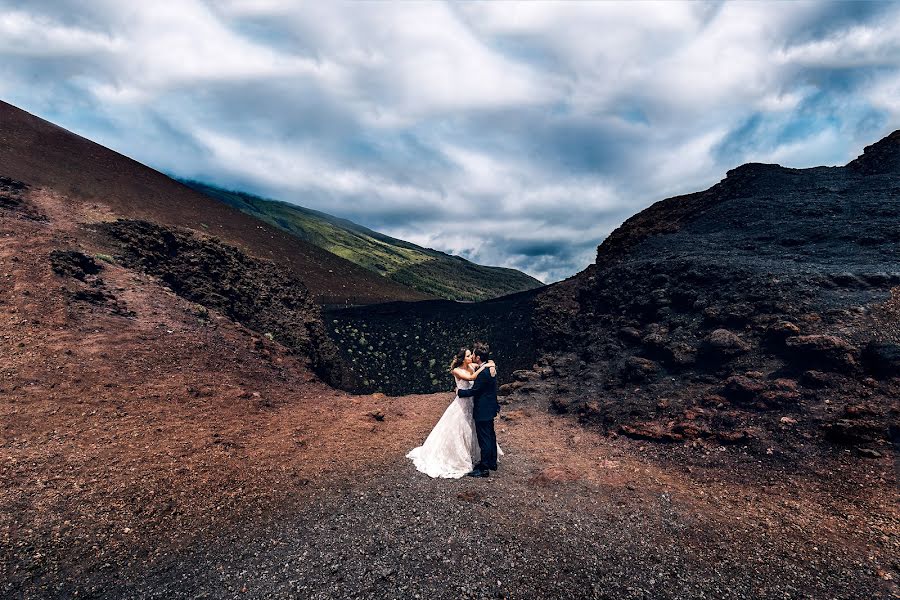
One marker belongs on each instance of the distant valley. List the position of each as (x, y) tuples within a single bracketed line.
[(423, 269)]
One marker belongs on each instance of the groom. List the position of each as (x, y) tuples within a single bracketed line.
[(484, 408)]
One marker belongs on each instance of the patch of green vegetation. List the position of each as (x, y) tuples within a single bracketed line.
[(424, 269), (105, 258)]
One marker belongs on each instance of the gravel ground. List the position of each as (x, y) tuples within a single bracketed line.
[(529, 531)]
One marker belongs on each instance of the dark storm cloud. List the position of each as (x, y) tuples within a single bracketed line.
[(556, 120)]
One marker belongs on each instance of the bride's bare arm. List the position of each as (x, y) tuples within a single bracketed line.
[(470, 375), (465, 374)]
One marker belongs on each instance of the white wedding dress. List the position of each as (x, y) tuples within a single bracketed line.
[(451, 449)]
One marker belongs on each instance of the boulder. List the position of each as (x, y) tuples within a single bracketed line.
[(639, 369), (525, 375), (560, 405), (882, 359), (780, 331), (869, 453), (779, 397), (508, 388), (723, 344), (743, 389), (826, 352), (681, 354), (815, 380), (845, 431), (630, 335), (654, 344)]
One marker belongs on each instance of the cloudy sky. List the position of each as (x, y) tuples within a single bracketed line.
[(512, 134)]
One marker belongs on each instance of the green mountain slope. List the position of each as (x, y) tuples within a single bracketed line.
[(423, 269)]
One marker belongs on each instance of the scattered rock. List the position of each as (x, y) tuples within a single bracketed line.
[(869, 453), (630, 335), (508, 388), (651, 431), (639, 369), (523, 375), (740, 388), (845, 431), (826, 351), (71, 263), (882, 358), (681, 354), (779, 332), (741, 436), (815, 379), (722, 344), (261, 295)]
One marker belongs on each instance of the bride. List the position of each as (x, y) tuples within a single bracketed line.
[(451, 449)]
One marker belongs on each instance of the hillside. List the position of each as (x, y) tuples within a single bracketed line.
[(762, 313), (88, 175), (429, 271)]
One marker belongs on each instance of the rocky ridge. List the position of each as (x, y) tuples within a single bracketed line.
[(761, 312)]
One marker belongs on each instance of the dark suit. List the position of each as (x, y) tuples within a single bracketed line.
[(484, 408)]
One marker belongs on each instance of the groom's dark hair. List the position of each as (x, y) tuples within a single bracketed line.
[(482, 351)]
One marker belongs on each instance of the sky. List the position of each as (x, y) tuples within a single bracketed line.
[(513, 134)]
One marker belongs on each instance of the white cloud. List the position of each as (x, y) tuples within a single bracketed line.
[(29, 35), (559, 119)]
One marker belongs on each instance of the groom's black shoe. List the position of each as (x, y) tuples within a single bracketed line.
[(478, 473), (493, 468)]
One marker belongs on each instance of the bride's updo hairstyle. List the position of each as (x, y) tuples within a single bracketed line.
[(459, 358)]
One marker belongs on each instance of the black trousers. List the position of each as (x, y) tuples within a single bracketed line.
[(487, 441)]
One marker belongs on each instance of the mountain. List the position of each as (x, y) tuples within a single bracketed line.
[(44, 155), (761, 312), (423, 269)]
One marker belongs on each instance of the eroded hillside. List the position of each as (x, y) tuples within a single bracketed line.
[(761, 312)]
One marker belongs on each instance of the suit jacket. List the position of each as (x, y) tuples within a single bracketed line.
[(484, 396)]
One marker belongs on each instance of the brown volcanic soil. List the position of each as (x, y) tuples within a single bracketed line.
[(149, 448), (92, 177)]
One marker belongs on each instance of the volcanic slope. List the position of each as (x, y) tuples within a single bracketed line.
[(762, 312), (44, 155), (427, 270)]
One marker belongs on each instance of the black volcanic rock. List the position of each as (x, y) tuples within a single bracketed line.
[(722, 344), (72, 263), (825, 350), (881, 158), (883, 358), (261, 295), (771, 277)]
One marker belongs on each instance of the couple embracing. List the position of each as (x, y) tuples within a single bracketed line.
[(464, 442)]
